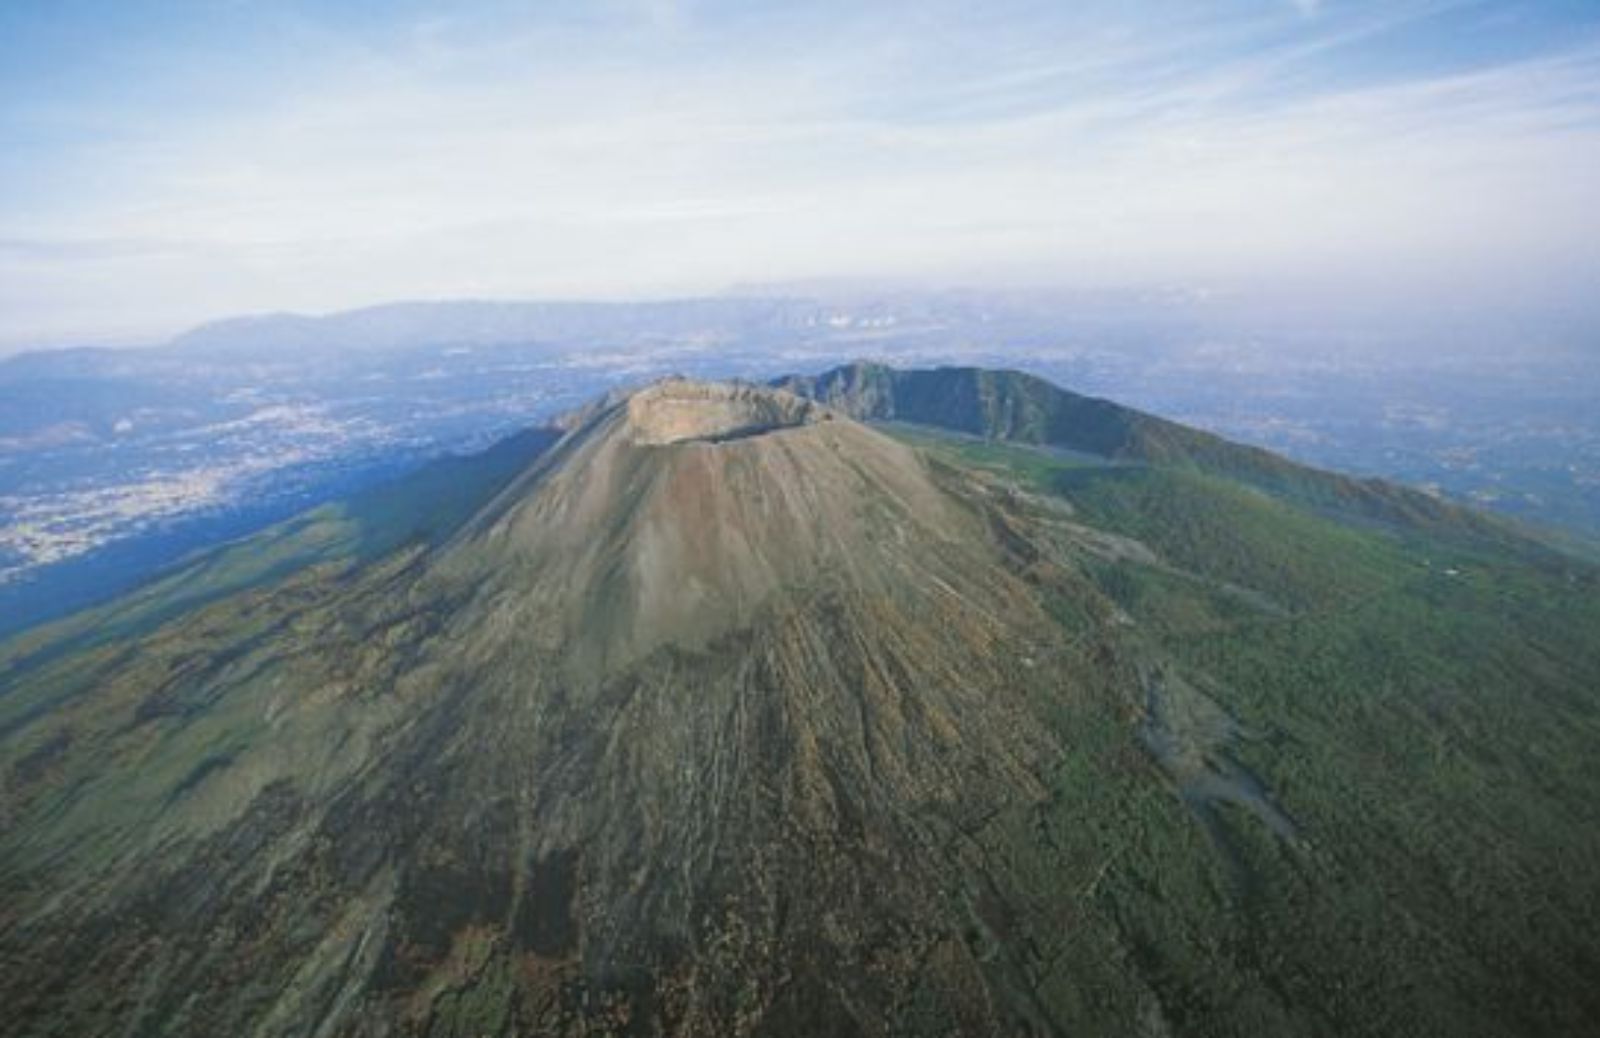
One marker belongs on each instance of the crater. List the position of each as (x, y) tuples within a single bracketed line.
[(707, 412)]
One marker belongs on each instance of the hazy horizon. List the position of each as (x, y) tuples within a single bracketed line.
[(171, 163)]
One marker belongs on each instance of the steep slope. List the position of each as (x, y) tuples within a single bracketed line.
[(731, 715), (681, 723)]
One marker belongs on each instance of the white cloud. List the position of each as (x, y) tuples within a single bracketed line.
[(531, 164)]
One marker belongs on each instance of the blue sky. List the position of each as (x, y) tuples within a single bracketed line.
[(162, 163)]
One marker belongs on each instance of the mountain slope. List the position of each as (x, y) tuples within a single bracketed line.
[(421, 507), (557, 715), (731, 715)]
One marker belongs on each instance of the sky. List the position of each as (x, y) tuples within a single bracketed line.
[(163, 162)]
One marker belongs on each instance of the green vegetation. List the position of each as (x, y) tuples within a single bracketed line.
[(1424, 711)]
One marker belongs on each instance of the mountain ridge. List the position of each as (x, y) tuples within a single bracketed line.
[(1018, 407)]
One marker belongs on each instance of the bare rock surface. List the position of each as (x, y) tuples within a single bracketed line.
[(688, 731)]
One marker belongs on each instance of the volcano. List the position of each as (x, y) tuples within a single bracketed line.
[(752, 709)]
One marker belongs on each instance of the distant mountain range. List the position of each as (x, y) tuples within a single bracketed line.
[(876, 702), (741, 316), (399, 326)]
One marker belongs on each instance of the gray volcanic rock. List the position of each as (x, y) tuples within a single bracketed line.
[(681, 731)]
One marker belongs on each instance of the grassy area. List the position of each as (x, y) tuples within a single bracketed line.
[(1425, 709)]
